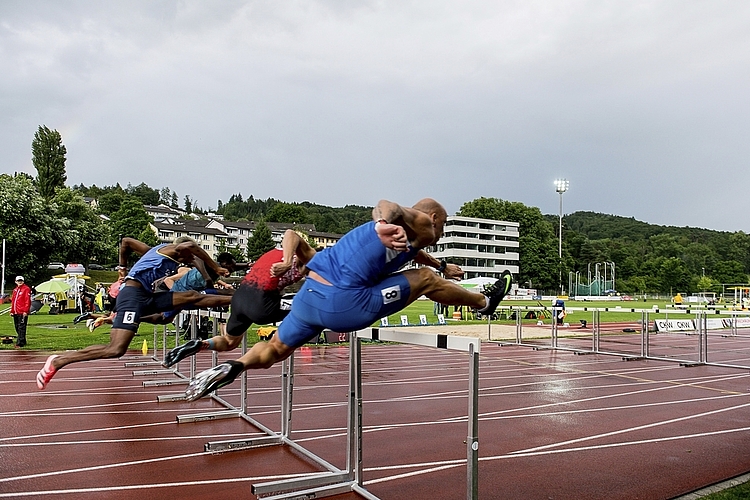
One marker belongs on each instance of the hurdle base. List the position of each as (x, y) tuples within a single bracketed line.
[(133, 364), (241, 444), (140, 373), (203, 417), (317, 486), (168, 381), (166, 398)]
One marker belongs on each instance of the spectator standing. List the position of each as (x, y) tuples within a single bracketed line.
[(20, 307)]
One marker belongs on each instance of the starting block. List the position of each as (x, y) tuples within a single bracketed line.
[(7, 339), (266, 332)]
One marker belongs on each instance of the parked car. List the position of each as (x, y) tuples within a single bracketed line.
[(56, 265), (97, 267)]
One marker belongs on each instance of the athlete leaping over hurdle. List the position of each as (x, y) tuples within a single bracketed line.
[(354, 283), (136, 299), (258, 299)]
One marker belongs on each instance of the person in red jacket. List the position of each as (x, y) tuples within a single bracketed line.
[(20, 306)]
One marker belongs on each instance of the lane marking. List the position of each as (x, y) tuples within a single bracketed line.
[(632, 429), (151, 486)]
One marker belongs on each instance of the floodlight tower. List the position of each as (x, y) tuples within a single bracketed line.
[(561, 185)]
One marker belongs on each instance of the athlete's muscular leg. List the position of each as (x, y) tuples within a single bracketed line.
[(225, 342), (193, 298), (266, 354), (156, 319), (424, 281), (119, 341)]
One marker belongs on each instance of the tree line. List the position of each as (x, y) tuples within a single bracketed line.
[(43, 220)]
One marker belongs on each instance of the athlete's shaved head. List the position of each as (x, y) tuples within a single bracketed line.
[(430, 206), (437, 213)]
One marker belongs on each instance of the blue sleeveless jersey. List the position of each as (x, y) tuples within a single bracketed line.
[(152, 266), (359, 259), (191, 280)]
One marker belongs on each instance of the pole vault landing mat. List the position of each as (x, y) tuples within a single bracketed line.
[(551, 425)]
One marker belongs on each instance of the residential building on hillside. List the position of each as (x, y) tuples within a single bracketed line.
[(238, 232), (324, 240), (214, 235), (210, 239), (482, 247), (163, 212)]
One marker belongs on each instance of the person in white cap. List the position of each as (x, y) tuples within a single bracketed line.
[(20, 307)]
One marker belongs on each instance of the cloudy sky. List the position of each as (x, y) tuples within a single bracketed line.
[(642, 105)]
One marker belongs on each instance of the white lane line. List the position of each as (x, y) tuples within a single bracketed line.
[(413, 473), (633, 429), (150, 486), (53, 411), (607, 408), (86, 431), (461, 393), (462, 418), (104, 466), (131, 440), (447, 464), (607, 396), (618, 445)]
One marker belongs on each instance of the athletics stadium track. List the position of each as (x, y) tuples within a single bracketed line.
[(552, 425)]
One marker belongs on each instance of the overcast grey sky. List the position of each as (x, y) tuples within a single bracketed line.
[(642, 105)]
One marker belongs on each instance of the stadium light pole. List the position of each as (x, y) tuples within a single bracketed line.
[(561, 185)]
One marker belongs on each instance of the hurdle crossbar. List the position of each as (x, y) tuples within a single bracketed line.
[(351, 479), (470, 345), (699, 329)]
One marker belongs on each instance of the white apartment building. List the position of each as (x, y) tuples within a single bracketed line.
[(213, 235), (162, 212), (482, 247)]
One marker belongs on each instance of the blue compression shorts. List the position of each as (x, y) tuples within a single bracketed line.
[(317, 307), (134, 302)]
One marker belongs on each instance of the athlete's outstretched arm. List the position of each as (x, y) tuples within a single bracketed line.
[(130, 245), (452, 271), (191, 247)]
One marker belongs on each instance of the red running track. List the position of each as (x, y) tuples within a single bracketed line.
[(552, 425)]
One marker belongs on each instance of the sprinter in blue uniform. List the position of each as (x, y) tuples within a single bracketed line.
[(137, 298), (357, 281)]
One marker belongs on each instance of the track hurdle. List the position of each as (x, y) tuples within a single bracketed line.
[(697, 323), (272, 437), (231, 410), (471, 345), (333, 480), (351, 479)]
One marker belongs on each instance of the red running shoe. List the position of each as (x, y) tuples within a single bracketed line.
[(46, 373)]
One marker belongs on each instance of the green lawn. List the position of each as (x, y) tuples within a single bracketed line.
[(739, 492), (57, 332)]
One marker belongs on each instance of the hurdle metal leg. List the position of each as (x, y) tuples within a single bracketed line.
[(472, 440), (335, 481)]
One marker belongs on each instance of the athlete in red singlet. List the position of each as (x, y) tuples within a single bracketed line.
[(258, 300)]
